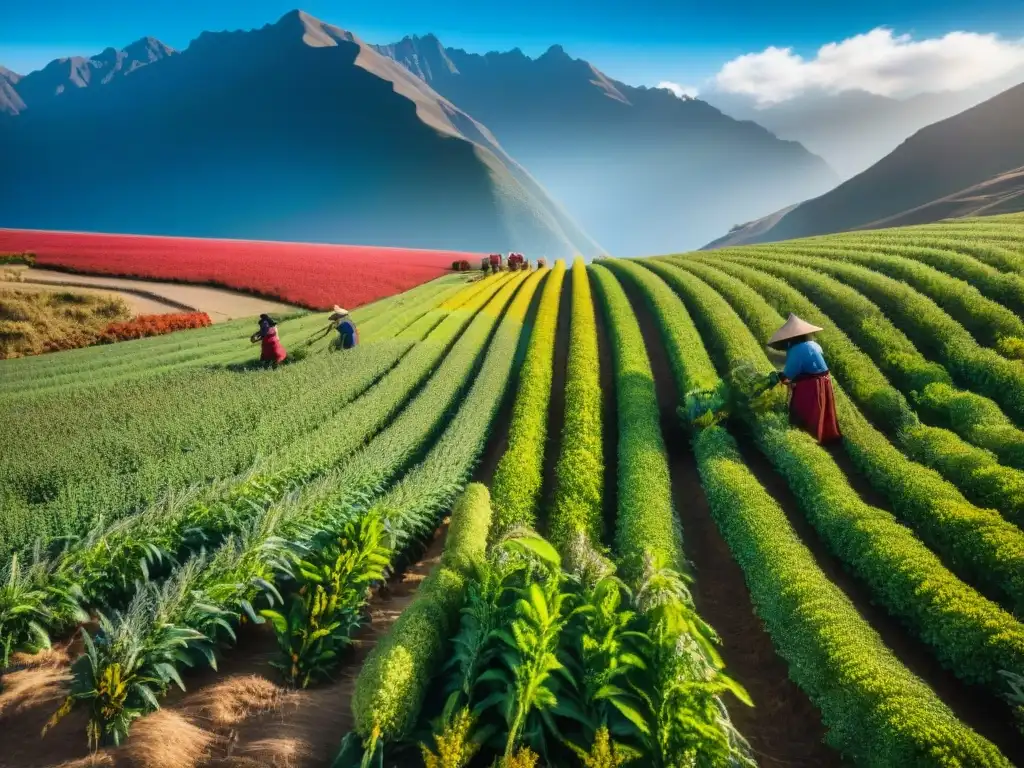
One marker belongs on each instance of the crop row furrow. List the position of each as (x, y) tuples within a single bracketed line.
[(813, 625), (976, 542), (518, 478), (971, 635), (579, 472), (975, 418)]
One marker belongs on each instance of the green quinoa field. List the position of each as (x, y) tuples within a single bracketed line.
[(499, 533)]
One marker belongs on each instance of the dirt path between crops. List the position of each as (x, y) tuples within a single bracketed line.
[(556, 405), (783, 728), (237, 717), (609, 421), (972, 704), (220, 304)]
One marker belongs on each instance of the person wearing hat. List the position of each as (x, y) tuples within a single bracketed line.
[(272, 351), (348, 336), (812, 402)]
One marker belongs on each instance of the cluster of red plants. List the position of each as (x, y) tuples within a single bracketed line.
[(308, 274), (153, 325), (462, 265)]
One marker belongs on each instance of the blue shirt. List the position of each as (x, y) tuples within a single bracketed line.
[(347, 331), (802, 358)]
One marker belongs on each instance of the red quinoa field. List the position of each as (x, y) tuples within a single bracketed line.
[(310, 274)]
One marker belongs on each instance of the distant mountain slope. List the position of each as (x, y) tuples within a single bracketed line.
[(74, 72), (936, 173), (642, 170), (853, 130), (10, 101), (295, 131)]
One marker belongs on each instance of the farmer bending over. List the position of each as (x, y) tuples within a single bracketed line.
[(812, 403), (271, 352), (348, 336)]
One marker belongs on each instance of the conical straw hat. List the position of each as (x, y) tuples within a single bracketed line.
[(339, 311), (792, 328)]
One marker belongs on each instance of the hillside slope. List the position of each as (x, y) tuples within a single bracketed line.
[(643, 170), (916, 182), (295, 131), (853, 130)]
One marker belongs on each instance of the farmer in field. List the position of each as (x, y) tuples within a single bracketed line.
[(272, 352), (812, 403), (348, 336)]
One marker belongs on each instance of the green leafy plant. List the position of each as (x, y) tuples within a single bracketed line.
[(327, 606), (29, 605), (126, 667)]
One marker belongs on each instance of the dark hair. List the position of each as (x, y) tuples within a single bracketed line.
[(797, 340), (268, 320)]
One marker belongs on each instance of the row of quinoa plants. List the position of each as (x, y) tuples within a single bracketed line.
[(969, 634), (960, 262), (101, 569), (977, 419), (500, 695), (834, 655), (221, 344), (992, 254), (934, 332), (578, 494), (648, 538), (991, 323), (974, 470), (392, 684), (406, 512), (516, 487), (977, 543), (321, 549), (113, 449)]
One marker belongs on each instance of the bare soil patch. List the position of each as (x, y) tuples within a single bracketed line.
[(783, 728), (220, 304)]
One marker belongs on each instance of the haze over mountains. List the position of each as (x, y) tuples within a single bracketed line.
[(299, 130), (854, 129), (643, 170), (296, 131), (968, 164)]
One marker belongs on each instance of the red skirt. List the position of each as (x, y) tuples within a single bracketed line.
[(813, 406), (271, 350)]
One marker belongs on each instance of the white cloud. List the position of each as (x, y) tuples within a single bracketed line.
[(681, 91), (878, 62)]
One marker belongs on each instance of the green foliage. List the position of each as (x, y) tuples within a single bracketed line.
[(326, 605), (877, 711), (27, 258), (646, 522), (934, 331), (579, 473), (519, 475), (976, 542), (393, 681), (971, 635), (975, 471), (29, 605), (988, 321), (134, 442), (468, 530)]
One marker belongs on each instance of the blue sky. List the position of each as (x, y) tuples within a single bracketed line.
[(641, 42)]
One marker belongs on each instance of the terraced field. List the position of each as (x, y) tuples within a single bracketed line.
[(500, 530)]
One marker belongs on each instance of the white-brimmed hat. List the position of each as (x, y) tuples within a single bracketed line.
[(791, 329)]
